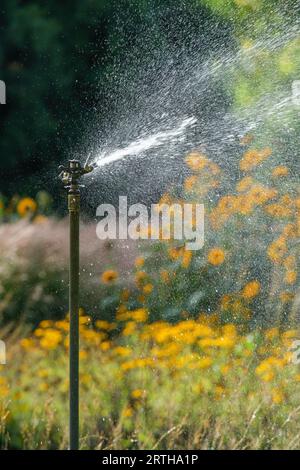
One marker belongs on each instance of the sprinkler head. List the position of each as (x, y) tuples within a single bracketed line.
[(71, 174)]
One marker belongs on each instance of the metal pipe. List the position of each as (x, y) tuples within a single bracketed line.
[(70, 176), (74, 211)]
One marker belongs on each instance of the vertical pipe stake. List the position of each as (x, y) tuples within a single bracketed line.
[(70, 176), (74, 210)]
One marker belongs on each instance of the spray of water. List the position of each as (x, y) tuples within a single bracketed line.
[(189, 111), (168, 103), (146, 143)]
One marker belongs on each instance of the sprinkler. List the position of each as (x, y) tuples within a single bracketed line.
[(70, 176)]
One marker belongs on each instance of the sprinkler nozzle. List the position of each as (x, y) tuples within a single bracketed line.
[(71, 174)]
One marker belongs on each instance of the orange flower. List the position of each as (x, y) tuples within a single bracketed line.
[(291, 277), (186, 258), (251, 290), (244, 184), (109, 276), (216, 256), (280, 171), (148, 288), (277, 250), (286, 297), (196, 161), (138, 393), (165, 276), (253, 158), (26, 206), (140, 276), (139, 262)]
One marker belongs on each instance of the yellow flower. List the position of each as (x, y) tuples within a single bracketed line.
[(43, 373), (139, 262), (50, 339), (225, 369), (27, 343), (290, 231), (290, 334), (268, 376), (290, 262), (260, 194), (43, 387), (125, 294), (105, 325), (186, 259), (277, 250), (138, 393), (122, 351), (175, 253), (26, 206), (140, 276), (286, 297), (272, 333), (127, 412), (165, 276), (219, 392), (148, 288), (277, 210), (244, 184), (223, 342), (216, 256), (266, 369), (109, 276), (85, 379), (139, 315), (92, 336), (205, 362), (280, 171), (277, 396), (4, 387), (129, 328), (253, 158), (290, 277), (227, 204), (230, 330), (251, 290), (105, 346), (83, 354), (245, 204), (46, 324), (196, 161)]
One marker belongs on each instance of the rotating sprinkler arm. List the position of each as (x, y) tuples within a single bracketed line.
[(70, 176)]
